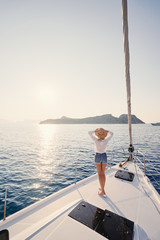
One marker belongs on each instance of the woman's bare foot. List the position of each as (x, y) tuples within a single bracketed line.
[(100, 189), (101, 193)]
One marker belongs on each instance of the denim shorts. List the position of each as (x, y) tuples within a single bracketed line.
[(100, 158)]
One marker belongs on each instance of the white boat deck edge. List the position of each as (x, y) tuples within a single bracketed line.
[(48, 219)]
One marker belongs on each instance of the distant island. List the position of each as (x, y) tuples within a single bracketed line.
[(103, 119)]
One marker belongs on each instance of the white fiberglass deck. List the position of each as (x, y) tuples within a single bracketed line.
[(48, 219)]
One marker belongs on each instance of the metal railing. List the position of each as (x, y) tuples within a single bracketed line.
[(142, 163)]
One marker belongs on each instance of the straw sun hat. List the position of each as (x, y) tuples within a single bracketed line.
[(101, 133)]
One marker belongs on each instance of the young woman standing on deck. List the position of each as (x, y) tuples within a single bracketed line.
[(101, 137)]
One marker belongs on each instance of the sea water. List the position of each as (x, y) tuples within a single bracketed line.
[(38, 160)]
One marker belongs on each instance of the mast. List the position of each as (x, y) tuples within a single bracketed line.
[(127, 70)]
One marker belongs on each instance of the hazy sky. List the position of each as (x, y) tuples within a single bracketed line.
[(65, 58)]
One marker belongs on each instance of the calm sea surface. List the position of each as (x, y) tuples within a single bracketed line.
[(38, 160)]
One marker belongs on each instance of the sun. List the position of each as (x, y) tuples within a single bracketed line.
[(46, 94)]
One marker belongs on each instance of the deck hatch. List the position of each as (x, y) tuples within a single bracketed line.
[(4, 235), (128, 176), (104, 222)]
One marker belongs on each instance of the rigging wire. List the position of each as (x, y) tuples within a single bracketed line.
[(155, 170), (151, 174), (144, 189), (80, 192), (153, 167)]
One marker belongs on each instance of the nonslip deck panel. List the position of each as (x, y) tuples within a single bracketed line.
[(124, 175), (104, 222)]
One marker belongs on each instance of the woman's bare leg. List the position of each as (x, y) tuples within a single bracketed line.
[(103, 166), (102, 178)]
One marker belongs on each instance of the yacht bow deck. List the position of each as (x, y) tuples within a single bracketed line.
[(48, 219)]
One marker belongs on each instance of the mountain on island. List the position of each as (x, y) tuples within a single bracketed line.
[(103, 119)]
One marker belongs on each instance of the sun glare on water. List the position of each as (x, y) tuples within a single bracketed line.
[(47, 136)]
